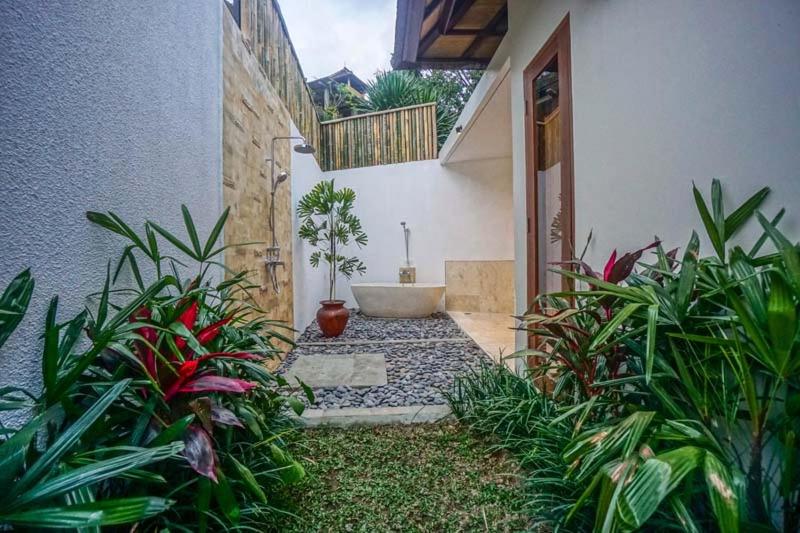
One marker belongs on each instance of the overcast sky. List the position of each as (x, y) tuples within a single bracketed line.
[(329, 34)]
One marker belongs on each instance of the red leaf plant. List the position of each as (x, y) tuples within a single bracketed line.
[(564, 334), (183, 378)]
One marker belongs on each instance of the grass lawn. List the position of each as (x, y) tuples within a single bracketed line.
[(402, 478)]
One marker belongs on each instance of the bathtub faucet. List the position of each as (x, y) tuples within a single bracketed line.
[(408, 274)]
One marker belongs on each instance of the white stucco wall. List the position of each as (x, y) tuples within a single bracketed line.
[(665, 93), (113, 106), (310, 284), (459, 212)]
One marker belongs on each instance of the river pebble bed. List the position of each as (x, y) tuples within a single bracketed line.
[(420, 366)]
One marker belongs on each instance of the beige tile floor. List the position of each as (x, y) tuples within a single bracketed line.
[(491, 331)]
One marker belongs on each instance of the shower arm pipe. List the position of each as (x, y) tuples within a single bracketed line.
[(272, 154), (272, 180)]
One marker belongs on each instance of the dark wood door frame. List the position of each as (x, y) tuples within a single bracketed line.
[(558, 45)]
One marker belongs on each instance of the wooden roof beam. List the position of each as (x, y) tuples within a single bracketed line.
[(456, 17), (445, 16), (489, 30)]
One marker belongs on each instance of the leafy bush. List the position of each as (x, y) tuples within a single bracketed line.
[(686, 372), (175, 372), (66, 480), (198, 349)]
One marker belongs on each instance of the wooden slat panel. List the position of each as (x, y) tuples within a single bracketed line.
[(266, 35), (383, 138)]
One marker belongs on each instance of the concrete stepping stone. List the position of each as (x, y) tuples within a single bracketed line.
[(334, 370)]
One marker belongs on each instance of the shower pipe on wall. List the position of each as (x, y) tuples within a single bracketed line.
[(273, 257)]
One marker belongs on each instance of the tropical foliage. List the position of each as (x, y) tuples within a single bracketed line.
[(187, 425), (57, 468), (680, 378), (403, 88), (328, 223)]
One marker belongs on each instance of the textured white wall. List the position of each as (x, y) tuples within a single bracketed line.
[(310, 284), (113, 106), (459, 212), (665, 93)]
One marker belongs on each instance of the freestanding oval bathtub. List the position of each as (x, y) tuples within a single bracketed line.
[(397, 300)]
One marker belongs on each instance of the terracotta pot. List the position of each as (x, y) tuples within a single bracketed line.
[(332, 317)]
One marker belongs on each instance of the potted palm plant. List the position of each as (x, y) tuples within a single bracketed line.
[(328, 224)]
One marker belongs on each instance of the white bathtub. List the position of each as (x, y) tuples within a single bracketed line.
[(396, 300)]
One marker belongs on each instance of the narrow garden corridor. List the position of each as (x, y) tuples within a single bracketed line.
[(409, 475)]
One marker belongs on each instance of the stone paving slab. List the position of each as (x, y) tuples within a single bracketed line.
[(331, 370)]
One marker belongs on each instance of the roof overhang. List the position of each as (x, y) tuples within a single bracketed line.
[(447, 34)]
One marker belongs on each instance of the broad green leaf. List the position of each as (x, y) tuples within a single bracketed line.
[(781, 321), (652, 330), (613, 325), (710, 226), (645, 492), (687, 276), (724, 501), (50, 352), (175, 241), (215, 233), (225, 498), (13, 450), (14, 303), (744, 212), (94, 473), (68, 439), (788, 251), (203, 503), (718, 210), (100, 513), (192, 231), (249, 480), (172, 433), (297, 406)]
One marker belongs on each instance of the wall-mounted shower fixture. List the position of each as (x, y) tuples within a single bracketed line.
[(408, 273), (272, 260)]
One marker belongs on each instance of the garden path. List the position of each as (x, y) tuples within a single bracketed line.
[(381, 364)]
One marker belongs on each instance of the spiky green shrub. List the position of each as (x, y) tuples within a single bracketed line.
[(686, 371)]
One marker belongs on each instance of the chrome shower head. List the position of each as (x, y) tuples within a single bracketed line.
[(280, 178), (304, 148)]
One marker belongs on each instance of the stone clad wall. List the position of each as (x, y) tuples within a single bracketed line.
[(253, 114), (479, 286)]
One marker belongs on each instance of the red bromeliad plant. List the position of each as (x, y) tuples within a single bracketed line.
[(175, 359), (195, 351)]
